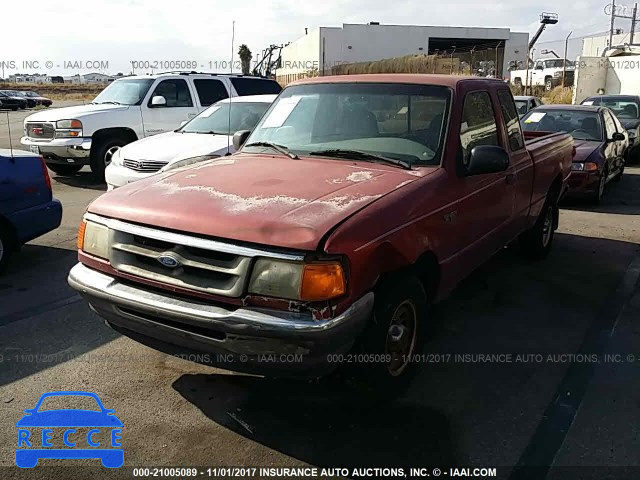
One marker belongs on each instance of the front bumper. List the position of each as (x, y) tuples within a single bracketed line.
[(74, 151), (118, 176), (252, 340)]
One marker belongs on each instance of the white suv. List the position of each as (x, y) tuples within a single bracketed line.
[(129, 109)]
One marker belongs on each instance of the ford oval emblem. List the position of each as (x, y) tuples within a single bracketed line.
[(169, 261)]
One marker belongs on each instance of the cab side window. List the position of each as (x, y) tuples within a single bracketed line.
[(175, 91), (479, 126), (510, 114)]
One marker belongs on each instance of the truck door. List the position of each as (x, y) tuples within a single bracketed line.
[(162, 116), (487, 200), (521, 171)]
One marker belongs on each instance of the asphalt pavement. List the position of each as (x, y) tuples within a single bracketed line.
[(509, 377)]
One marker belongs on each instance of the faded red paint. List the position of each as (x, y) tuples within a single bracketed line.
[(379, 218)]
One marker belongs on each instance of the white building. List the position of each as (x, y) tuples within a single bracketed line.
[(325, 47), (35, 78), (97, 78)]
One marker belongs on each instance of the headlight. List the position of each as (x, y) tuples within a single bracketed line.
[(68, 124), (310, 282), (187, 161), (584, 167), (68, 129), (93, 239)]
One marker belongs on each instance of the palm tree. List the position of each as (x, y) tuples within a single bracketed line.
[(245, 58)]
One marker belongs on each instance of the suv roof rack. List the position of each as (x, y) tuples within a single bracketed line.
[(213, 74)]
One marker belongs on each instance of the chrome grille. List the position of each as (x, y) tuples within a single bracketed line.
[(40, 130), (143, 165), (196, 268)]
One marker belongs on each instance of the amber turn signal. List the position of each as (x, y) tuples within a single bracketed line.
[(590, 167), (83, 226), (322, 281)]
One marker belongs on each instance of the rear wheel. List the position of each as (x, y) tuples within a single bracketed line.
[(102, 153), (64, 169), (536, 243)]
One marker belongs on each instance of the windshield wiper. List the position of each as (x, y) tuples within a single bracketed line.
[(280, 148), (104, 103), (360, 155)]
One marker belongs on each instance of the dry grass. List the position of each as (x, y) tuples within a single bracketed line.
[(58, 91), (561, 95), (406, 64)]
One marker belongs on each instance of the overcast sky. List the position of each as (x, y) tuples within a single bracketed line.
[(121, 31)]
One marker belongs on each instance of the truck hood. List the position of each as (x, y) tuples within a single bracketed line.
[(584, 148), (170, 147), (262, 199), (78, 112)]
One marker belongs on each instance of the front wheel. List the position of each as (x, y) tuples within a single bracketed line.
[(102, 153), (548, 85), (393, 337), (536, 243), (596, 198)]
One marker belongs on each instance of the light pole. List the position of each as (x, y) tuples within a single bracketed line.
[(452, 52), (564, 61)]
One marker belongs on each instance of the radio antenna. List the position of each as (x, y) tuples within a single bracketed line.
[(233, 37)]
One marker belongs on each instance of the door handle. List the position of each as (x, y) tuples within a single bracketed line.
[(510, 178)]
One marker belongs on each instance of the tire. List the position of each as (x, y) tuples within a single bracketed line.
[(6, 248), (15, 109), (64, 169), (548, 84), (400, 309), (517, 82), (596, 198), (101, 154), (618, 176), (537, 242)]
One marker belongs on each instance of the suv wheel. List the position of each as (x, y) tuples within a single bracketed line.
[(103, 152)]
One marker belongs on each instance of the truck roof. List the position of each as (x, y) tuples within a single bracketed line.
[(559, 106), (190, 73), (419, 78)]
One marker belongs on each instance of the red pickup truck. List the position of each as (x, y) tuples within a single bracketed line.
[(355, 203)]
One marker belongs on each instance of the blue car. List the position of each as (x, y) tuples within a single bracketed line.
[(27, 206), (32, 447)]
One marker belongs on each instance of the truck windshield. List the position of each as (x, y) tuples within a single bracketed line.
[(125, 92), (581, 125), (215, 119), (397, 121)]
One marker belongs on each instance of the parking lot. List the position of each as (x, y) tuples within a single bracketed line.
[(549, 405)]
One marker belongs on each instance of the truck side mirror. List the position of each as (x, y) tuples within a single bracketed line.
[(239, 138), (487, 159), (158, 101)]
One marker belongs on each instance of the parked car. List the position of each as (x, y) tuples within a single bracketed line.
[(627, 109), (326, 219), (127, 110), (524, 103), (27, 206), (601, 144), (39, 99), (31, 102), (11, 101), (207, 136)]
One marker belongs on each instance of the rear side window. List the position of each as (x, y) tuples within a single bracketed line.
[(210, 91), (478, 124), (175, 91), (255, 86), (516, 142)]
